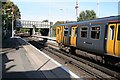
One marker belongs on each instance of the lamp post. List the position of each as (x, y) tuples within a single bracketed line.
[(61, 13), (98, 13), (12, 21), (64, 13)]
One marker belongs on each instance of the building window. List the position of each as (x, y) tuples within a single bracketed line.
[(95, 32), (118, 33), (84, 32)]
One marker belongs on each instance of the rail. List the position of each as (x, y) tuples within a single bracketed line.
[(95, 70)]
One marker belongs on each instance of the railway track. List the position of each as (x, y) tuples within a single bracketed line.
[(94, 70)]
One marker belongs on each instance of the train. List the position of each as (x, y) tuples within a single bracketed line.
[(99, 36)]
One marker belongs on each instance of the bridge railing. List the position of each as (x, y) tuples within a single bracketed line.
[(30, 24)]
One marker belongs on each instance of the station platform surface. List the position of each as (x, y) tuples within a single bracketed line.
[(49, 38), (22, 60)]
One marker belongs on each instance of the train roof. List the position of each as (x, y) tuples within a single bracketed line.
[(99, 20)]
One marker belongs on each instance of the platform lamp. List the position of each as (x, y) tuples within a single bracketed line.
[(12, 21)]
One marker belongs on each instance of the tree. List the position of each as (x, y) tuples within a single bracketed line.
[(87, 15), (7, 9), (45, 20), (54, 27)]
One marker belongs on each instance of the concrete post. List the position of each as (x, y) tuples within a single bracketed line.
[(50, 29), (33, 32), (49, 34), (12, 28)]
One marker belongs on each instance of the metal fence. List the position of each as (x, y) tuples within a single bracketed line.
[(31, 24)]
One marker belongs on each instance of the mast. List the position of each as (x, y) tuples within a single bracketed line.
[(76, 7)]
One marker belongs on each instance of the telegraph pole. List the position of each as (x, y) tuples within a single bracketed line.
[(76, 7)]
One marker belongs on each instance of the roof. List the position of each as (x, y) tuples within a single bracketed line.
[(101, 20)]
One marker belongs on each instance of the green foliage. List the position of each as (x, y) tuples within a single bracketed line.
[(54, 27), (58, 22), (45, 20), (87, 15), (44, 32), (7, 9), (37, 30), (22, 30)]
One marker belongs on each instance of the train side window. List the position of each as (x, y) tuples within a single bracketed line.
[(95, 32), (118, 33), (111, 32), (65, 31), (72, 32), (84, 32), (75, 32)]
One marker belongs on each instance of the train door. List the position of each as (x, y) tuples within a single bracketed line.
[(117, 41), (111, 39), (58, 34), (73, 36), (66, 35), (62, 34)]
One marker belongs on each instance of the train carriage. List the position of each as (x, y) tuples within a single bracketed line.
[(100, 36)]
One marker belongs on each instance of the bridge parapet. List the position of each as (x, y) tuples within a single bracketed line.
[(31, 24)]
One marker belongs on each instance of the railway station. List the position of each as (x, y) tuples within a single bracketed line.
[(22, 60), (86, 47)]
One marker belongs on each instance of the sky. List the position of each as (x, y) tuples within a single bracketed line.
[(63, 10)]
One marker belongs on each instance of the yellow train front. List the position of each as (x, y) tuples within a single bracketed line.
[(100, 36)]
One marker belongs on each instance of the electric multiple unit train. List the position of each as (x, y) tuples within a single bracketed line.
[(100, 36)]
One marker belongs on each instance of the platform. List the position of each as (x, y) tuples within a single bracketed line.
[(47, 37), (50, 40), (22, 60)]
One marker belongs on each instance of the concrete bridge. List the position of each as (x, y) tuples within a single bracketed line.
[(33, 24)]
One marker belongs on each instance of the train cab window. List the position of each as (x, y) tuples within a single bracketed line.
[(65, 31), (75, 32), (84, 32), (72, 32), (111, 33), (95, 32), (118, 33)]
